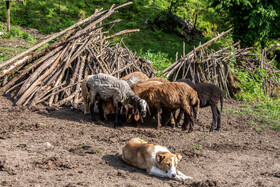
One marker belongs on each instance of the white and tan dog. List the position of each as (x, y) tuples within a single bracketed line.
[(158, 160)]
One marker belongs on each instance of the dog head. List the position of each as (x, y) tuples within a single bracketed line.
[(168, 162)]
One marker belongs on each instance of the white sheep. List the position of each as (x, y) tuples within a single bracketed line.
[(106, 87)]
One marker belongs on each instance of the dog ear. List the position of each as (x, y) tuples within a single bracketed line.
[(160, 157), (179, 156)]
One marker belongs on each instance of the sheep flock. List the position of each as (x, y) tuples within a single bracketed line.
[(138, 98)]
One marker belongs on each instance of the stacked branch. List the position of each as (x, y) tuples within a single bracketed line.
[(54, 74), (205, 65)]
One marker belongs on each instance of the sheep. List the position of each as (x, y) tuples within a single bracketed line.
[(173, 95), (209, 95), (159, 79), (108, 105), (131, 79), (137, 89), (107, 87), (140, 75), (142, 86)]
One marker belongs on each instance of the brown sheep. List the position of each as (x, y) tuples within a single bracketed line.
[(140, 75), (173, 96), (140, 87), (163, 80)]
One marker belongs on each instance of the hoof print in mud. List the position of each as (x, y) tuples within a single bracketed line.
[(206, 183), (83, 150), (53, 163), (4, 167)]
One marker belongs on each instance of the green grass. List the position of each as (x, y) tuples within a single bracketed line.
[(197, 147), (52, 16), (17, 33), (265, 114)]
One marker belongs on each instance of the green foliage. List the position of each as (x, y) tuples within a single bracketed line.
[(16, 32), (197, 147), (254, 21), (159, 60), (251, 84), (265, 114)]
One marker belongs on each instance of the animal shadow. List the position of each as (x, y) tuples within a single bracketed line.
[(116, 162)]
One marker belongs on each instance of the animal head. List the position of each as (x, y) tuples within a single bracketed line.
[(140, 105), (132, 80), (130, 113), (168, 162)]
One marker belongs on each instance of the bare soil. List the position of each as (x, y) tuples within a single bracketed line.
[(64, 148)]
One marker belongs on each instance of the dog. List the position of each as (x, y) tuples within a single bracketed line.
[(156, 159)]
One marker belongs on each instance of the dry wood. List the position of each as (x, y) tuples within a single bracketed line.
[(55, 78), (23, 97)]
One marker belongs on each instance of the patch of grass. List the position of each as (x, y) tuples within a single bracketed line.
[(252, 123), (16, 32), (233, 111), (265, 112), (11, 49), (197, 147), (159, 60), (262, 128), (43, 125), (183, 136), (141, 137), (205, 134)]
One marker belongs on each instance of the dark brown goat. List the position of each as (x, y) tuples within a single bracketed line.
[(209, 95)]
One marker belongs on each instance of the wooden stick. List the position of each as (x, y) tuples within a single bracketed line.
[(27, 92)]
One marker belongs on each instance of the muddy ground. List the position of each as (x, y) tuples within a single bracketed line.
[(64, 148)]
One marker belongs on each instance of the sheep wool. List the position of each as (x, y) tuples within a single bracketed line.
[(108, 87)]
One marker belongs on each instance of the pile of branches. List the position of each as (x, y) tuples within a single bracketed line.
[(206, 65), (54, 74)]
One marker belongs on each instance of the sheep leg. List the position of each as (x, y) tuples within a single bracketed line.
[(158, 119), (214, 112), (195, 114), (165, 116), (93, 117), (179, 117), (116, 122), (218, 119), (120, 116), (184, 126), (101, 110), (188, 121), (173, 121), (92, 105)]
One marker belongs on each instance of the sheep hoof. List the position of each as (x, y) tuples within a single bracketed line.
[(218, 128), (190, 130)]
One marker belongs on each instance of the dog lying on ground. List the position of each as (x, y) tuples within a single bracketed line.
[(158, 160)]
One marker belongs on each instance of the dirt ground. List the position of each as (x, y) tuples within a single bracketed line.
[(64, 148)]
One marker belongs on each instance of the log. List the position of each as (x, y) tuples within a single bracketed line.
[(25, 95), (52, 37)]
